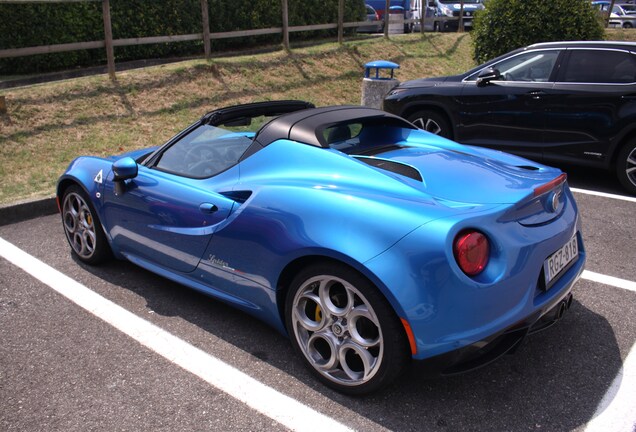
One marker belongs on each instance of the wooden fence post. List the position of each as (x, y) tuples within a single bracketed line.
[(108, 39), (3, 105), (206, 28), (340, 21), (386, 18), (285, 25), (609, 13)]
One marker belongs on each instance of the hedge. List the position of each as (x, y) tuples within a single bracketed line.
[(35, 24), (509, 24)]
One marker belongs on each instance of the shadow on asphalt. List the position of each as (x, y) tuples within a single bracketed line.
[(555, 381)]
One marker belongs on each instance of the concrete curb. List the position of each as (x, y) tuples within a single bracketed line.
[(24, 210)]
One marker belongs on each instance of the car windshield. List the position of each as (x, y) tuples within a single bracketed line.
[(457, 2), (204, 152)]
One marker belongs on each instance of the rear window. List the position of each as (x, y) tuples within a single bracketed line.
[(363, 137), (600, 67)]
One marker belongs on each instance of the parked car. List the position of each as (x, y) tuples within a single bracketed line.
[(372, 15), (625, 18), (620, 17), (572, 102), (366, 240)]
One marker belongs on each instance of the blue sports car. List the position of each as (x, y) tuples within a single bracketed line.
[(366, 240)]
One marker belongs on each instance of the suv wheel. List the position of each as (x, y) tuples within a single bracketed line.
[(432, 122), (626, 166)]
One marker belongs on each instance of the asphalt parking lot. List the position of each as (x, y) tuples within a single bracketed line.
[(62, 367)]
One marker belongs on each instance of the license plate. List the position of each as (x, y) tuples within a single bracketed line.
[(559, 260)]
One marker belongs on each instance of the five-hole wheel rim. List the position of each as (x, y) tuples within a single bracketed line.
[(79, 225), (337, 330)]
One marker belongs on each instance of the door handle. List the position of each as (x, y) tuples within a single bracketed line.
[(208, 208), (536, 94)]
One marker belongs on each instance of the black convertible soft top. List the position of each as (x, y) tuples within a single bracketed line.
[(308, 125)]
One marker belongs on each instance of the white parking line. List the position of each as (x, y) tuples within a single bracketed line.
[(609, 280), (603, 194), (616, 412), (275, 405)]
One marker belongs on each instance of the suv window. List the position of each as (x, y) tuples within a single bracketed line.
[(600, 67), (529, 66)]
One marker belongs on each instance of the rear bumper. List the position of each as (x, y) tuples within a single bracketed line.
[(486, 351)]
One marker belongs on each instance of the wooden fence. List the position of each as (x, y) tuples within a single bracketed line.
[(206, 36)]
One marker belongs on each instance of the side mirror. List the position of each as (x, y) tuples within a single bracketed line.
[(124, 169), (487, 75)]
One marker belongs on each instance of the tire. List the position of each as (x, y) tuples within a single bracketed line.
[(626, 166), (627, 25), (432, 122), (344, 330), (83, 228)]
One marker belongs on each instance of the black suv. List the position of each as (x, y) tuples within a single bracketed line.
[(572, 102)]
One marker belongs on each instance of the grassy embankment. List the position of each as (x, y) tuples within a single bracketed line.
[(49, 125)]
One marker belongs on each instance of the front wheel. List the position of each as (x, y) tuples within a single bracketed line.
[(626, 166), (432, 122), (344, 329), (82, 227)]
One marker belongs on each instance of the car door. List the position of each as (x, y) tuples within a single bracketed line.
[(168, 212), (593, 99), (162, 219), (508, 113)]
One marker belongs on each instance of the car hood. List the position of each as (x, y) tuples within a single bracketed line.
[(457, 173), (424, 168)]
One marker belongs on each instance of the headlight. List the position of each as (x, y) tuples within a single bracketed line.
[(446, 11), (396, 91)]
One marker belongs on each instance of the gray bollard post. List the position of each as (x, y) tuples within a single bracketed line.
[(375, 86)]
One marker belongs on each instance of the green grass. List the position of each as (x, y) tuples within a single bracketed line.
[(49, 125)]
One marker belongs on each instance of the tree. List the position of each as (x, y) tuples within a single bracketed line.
[(509, 24)]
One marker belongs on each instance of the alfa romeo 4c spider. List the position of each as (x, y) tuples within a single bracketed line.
[(367, 241)]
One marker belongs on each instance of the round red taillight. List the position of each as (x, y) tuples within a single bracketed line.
[(471, 250)]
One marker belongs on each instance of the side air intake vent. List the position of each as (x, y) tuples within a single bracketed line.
[(392, 166)]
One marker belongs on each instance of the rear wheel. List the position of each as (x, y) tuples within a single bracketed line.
[(344, 329), (82, 227), (432, 122), (626, 166)]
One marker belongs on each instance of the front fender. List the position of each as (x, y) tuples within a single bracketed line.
[(89, 173)]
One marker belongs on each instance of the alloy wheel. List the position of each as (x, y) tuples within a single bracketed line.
[(79, 225), (337, 330)]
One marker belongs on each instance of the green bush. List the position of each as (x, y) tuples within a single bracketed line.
[(35, 24), (509, 24)]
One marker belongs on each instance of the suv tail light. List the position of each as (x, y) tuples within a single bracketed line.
[(472, 250)]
